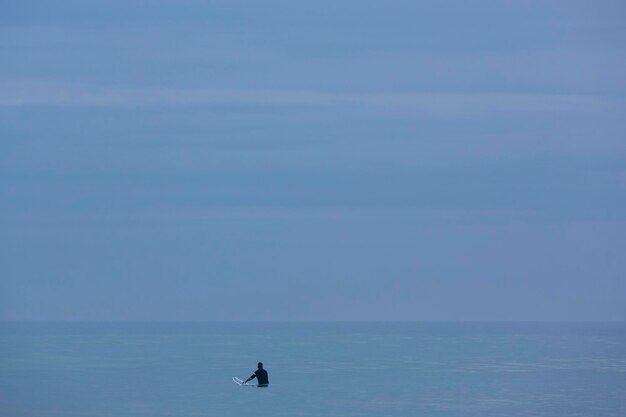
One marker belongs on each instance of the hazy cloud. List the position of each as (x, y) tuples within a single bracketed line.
[(452, 105)]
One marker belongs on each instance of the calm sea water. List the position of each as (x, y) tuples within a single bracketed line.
[(185, 369)]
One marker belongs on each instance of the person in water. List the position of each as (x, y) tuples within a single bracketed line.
[(261, 375)]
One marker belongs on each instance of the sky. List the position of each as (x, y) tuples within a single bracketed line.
[(322, 160)]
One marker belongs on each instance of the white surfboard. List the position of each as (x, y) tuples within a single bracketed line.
[(240, 382)]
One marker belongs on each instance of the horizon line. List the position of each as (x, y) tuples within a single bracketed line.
[(309, 321)]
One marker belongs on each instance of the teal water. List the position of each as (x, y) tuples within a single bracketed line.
[(422, 369)]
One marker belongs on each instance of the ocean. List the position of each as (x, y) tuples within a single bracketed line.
[(102, 369)]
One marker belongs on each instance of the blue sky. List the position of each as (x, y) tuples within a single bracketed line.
[(280, 160)]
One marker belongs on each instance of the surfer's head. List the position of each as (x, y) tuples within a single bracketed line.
[(260, 365)]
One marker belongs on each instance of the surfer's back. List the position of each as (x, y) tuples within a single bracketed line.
[(261, 376)]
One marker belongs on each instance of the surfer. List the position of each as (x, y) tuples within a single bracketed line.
[(261, 375)]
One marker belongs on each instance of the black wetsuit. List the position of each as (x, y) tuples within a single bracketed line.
[(261, 376)]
